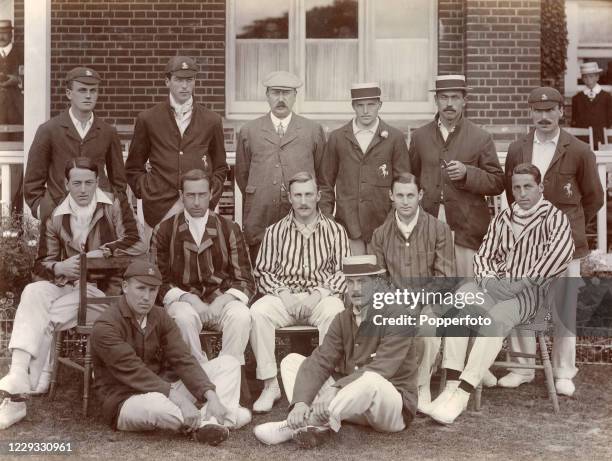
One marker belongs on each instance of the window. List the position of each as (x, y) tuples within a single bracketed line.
[(331, 44), (590, 40)]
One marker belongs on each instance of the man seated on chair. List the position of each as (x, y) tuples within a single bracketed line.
[(298, 270), (525, 246), (206, 271), (131, 341), (362, 372), (415, 247), (87, 220)]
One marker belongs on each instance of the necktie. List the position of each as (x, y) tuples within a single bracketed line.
[(280, 130)]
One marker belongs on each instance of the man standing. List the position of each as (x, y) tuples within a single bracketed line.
[(415, 247), (360, 161), (270, 150), (207, 279), (73, 133), (86, 221), (174, 136), (593, 106), (571, 183), (299, 271), (457, 167), (526, 246), (362, 373), (131, 341)]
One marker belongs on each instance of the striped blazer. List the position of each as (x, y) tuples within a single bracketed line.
[(542, 251), (288, 260), (112, 226), (219, 263)]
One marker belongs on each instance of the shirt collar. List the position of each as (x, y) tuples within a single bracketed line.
[(313, 225), (77, 122), (596, 90), (285, 121), (407, 228), (65, 208), (189, 218), (181, 108), (7, 49), (372, 129), (554, 140)]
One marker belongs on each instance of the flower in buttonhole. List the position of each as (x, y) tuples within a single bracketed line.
[(384, 134), (32, 243)]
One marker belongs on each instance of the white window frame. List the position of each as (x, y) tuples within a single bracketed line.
[(576, 52), (328, 110)]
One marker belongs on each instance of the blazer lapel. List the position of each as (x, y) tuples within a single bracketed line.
[(377, 139), (268, 131), (69, 127), (562, 144), (527, 148), (293, 130), (350, 137), (93, 130)]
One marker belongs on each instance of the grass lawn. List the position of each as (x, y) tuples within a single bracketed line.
[(513, 424)]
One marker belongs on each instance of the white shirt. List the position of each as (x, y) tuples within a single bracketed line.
[(284, 122), (81, 128), (594, 92), (5, 50), (196, 226), (364, 136), (306, 229), (406, 229), (445, 132), (182, 113), (543, 152)]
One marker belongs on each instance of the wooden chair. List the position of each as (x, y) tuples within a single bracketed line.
[(83, 329), (587, 132), (607, 135)]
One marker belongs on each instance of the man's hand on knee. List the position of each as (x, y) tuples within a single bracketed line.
[(191, 415), (309, 303), (198, 305), (320, 407), (298, 417), (215, 407)]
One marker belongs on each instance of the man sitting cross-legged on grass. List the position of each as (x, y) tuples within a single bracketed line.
[(525, 246), (132, 340), (90, 221), (362, 372)]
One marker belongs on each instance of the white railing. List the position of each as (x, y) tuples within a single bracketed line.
[(12, 153)]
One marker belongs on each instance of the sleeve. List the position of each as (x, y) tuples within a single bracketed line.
[(415, 159), (590, 186), (49, 253), (137, 157), (377, 248), (267, 263), (130, 240), (508, 167), (609, 112), (243, 159), (219, 168), (400, 156), (328, 175), (574, 121), (114, 164), (37, 169), (160, 245), (336, 282), (240, 265), (444, 263), (487, 178), (485, 259), (318, 155), (317, 368)]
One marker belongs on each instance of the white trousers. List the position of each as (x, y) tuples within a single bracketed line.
[(505, 316), (370, 400), (464, 258), (358, 247), (428, 346), (269, 313), (564, 345), (44, 308), (153, 410), (234, 322)]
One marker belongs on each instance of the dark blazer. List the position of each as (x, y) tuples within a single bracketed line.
[(571, 182), (58, 141), (127, 362), (157, 139), (361, 180), (349, 351), (265, 163), (467, 212), (596, 113)]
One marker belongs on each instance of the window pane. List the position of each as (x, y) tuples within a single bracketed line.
[(402, 19), (595, 22), (262, 19), (331, 19), (331, 67)]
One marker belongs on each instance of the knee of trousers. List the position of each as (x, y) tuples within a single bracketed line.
[(38, 294), (331, 306), (228, 363), (291, 361), (238, 316), (259, 310), (369, 382), (184, 314)]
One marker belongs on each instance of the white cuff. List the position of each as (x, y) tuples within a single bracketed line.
[(238, 294), (173, 295), (324, 292)]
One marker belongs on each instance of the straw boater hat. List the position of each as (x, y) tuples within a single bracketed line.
[(357, 266), (450, 82), (365, 91), (590, 68)]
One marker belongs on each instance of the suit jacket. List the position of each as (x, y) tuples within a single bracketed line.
[(11, 98), (157, 139), (571, 182), (129, 362), (596, 113), (220, 262), (348, 351), (264, 164), (58, 141), (467, 212), (361, 180)]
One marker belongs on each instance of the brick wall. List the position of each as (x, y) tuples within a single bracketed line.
[(451, 31), (502, 59), (130, 42), (18, 21)]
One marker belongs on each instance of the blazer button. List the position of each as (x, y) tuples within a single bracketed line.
[(274, 182), (277, 165), (356, 367), (181, 152)]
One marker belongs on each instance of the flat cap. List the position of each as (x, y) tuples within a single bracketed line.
[(182, 66), (545, 98), (83, 75), (282, 79), (365, 91), (144, 271)]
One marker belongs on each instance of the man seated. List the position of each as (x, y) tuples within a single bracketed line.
[(525, 246), (206, 271), (362, 373), (131, 341), (298, 269), (415, 247), (88, 220)]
